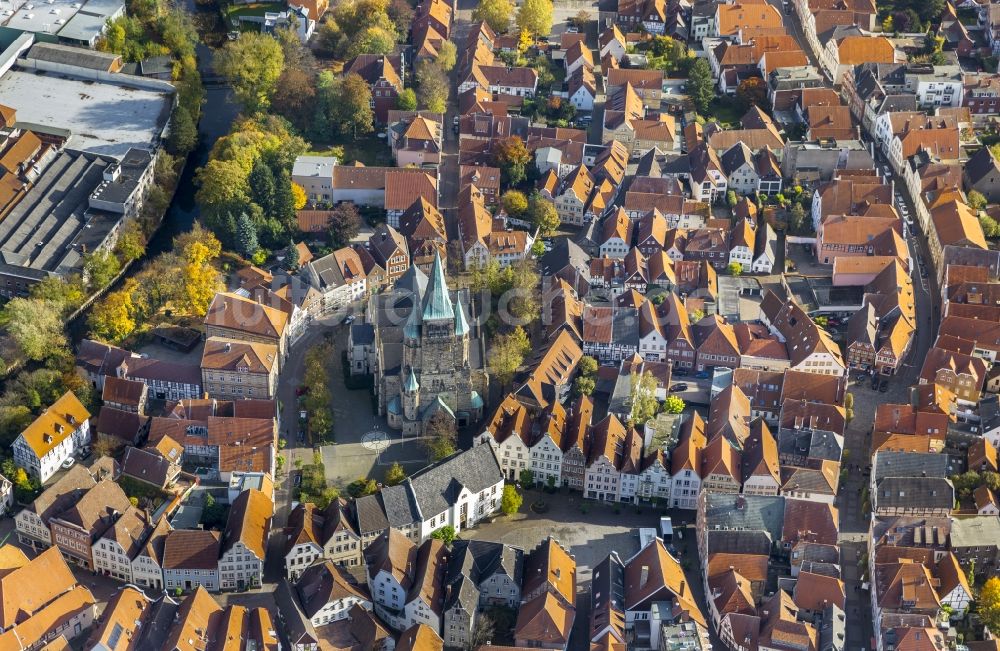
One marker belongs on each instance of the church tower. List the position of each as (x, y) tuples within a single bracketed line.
[(411, 396)]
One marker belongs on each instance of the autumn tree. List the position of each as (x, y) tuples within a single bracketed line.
[(752, 91), (433, 87), (507, 354), (512, 157), (112, 318), (535, 17), (495, 13), (543, 214), (989, 604), (440, 437), (355, 98), (394, 475), (511, 500), (199, 279), (673, 405), (514, 202), (252, 64)]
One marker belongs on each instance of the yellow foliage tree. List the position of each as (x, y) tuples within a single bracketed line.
[(299, 196), (989, 604), (201, 281), (112, 318)]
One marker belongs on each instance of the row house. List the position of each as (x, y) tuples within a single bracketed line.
[(981, 93), (484, 239), (614, 462), (647, 84), (244, 543), (548, 597), (750, 173), (610, 334), (810, 347), (406, 581), (902, 134), (339, 277), (313, 534), (131, 549)]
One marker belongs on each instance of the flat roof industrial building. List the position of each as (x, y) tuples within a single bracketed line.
[(104, 118)]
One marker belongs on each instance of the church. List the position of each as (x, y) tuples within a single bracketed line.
[(428, 359)]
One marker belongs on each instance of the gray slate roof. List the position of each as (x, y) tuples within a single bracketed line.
[(911, 464), (745, 512), (436, 488), (914, 493)]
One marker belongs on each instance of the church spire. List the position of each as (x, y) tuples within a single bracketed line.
[(437, 302), (461, 325)]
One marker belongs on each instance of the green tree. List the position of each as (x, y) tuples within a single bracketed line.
[(292, 256), (642, 398), (976, 200), (373, 40), (584, 386), (989, 603), (361, 487), (527, 477), (588, 366), (213, 514), (507, 354), (183, 136), (495, 13), (345, 224), (394, 475), (673, 405), (796, 217), (100, 268), (735, 269), (535, 17), (511, 500), (447, 56), (284, 201), (445, 534), (406, 100), (252, 64), (261, 182), (440, 437), (131, 242), (731, 199), (990, 226), (701, 87), (246, 235), (849, 406), (514, 202), (36, 326), (433, 87), (543, 214)]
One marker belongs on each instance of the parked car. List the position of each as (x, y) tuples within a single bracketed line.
[(680, 372), (68, 463), (680, 386), (348, 320), (298, 480), (702, 375)]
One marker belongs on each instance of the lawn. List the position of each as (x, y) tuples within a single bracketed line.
[(725, 111), (233, 11), (368, 149)]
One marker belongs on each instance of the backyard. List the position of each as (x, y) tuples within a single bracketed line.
[(368, 149)]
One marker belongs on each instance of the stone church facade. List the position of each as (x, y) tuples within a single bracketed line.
[(429, 359)]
